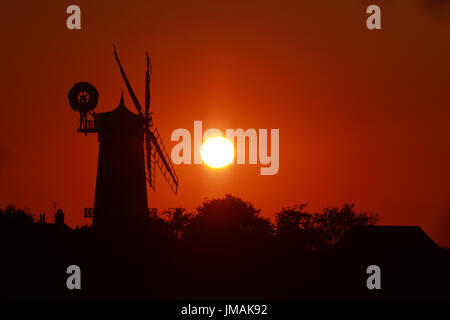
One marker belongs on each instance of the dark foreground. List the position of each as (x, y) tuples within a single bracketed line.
[(143, 263)]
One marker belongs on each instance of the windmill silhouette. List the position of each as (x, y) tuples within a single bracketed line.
[(130, 149)]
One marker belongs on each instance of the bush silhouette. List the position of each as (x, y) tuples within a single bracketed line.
[(11, 217), (228, 220), (319, 230), (178, 220)]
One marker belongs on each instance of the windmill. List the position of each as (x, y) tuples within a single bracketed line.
[(130, 149)]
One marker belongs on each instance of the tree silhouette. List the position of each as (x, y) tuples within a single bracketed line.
[(11, 216), (335, 222), (228, 219), (319, 230), (296, 226), (178, 220)]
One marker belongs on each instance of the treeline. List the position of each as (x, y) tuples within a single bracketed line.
[(224, 249), (231, 217)]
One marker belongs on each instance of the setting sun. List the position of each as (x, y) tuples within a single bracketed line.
[(217, 152)]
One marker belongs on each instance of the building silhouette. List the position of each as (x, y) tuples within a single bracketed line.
[(120, 192)]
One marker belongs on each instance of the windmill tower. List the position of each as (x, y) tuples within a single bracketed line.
[(130, 148)]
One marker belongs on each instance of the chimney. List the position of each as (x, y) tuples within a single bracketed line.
[(59, 217)]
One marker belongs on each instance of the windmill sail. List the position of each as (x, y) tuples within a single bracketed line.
[(150, 161), (163, 160), (148, 75), (127, 83)]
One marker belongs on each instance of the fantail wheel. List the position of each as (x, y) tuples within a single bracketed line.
[(83, 97)]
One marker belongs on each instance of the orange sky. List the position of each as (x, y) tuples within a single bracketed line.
[(363, 115)]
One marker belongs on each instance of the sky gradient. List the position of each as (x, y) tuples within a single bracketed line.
[(363, 115)]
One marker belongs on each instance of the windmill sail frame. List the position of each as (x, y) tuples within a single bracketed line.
[(163, 160)]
